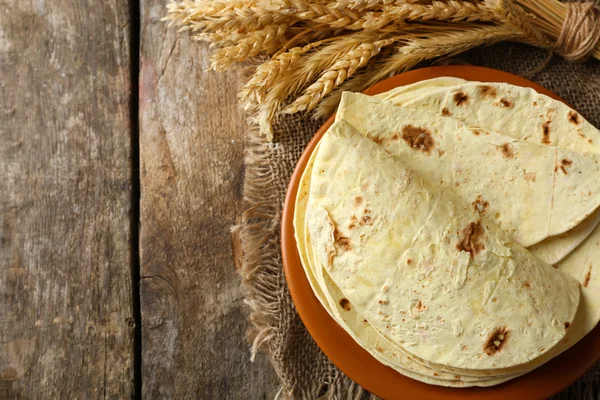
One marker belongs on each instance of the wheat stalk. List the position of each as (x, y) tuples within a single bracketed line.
[(266, 40)]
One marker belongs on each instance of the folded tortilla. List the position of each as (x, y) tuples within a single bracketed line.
[(578, 135), (431, 274), (355, 324), (540, 119), (530, 190)]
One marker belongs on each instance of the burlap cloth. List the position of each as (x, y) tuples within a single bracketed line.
[(304, 371)]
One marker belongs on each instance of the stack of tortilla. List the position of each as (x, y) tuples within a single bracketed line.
[(451, 228)]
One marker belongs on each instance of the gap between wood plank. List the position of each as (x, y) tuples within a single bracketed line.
[(135, 15)]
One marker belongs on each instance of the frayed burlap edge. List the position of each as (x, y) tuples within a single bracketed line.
[(267, 294)]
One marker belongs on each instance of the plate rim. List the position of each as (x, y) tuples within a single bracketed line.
[(356, 362)]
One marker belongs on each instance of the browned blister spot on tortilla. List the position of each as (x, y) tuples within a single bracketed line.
[(420, 306), (527, 284), (476, 132), (535, 103), (507, 150), (480, 205), (564, 164), (446, 112), (418, 138), (461, 99), (409, 261), (353, 222), (487, 91), (530, 176), (366, 220), (345, 304), (441, 153), (436, 374), (382, 301), (496, 340), (358, 200), (376, 139), (504, 103), (588, 275), (567, 325), (546, 132), (379, 349), (494, 299), (472, 238), (574, 117), (344, 243), (395, 136)]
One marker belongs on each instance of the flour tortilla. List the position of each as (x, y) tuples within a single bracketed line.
[(578, 134), (355, 324), (576, 252), (359, 328), (551, 189), (404, 216)]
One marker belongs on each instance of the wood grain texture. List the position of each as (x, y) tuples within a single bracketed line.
[(191, 131), (65, 288)]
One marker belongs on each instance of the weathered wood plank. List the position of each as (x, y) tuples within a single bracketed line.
[(191, 150), (65, 287)]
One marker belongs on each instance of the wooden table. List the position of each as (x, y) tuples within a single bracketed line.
[(121, 165)]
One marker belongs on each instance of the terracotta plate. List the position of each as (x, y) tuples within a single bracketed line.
[(356, 362)]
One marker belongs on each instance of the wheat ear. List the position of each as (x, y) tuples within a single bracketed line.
[(339, 17), (343, 69), (266, 40), (305, 70)]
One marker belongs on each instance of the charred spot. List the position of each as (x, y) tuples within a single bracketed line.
[(418, 138), (366, 220), (496, 340), (344, 243), (358, 200), (472, 241), (420, 306), (564, 164), (574, 117), (504, 103), (446, 112), (461, 99), (345, 304), (487, 91), (526, 284), (409, 261), (546, 132), (588, 275), (507, 151), (567, 325), (480, 205)]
